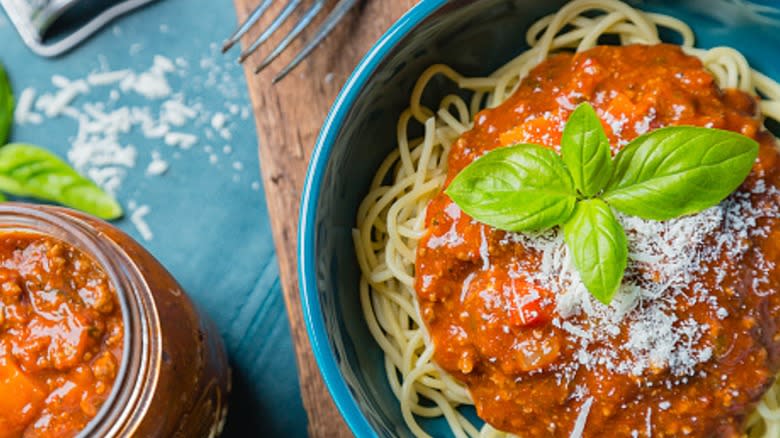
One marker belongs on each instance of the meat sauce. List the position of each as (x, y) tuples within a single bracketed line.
[(61, 336), (498, 335)]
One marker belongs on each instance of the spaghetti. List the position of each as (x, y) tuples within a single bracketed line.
[(391, 219)]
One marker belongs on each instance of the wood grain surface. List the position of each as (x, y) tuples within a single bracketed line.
[(288, 116)]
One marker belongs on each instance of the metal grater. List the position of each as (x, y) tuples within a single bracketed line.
[(36, 19)]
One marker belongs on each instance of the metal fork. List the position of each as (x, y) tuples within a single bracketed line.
[(335, 16)]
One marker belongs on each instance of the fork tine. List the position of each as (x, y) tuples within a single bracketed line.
[(327, 27), (278, 21), (307, 18), (244, 28)]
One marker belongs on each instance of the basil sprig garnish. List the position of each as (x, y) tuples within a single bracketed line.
[(672, 172), (664, 174), (30, 171), (585, 150), (520, 188), (598, 247)]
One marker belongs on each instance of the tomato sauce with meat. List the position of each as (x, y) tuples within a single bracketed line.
[(61, 336), (502, 336)]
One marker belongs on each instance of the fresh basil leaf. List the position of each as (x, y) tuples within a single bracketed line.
[(516, 188), (598, 247), (680, 170), (585, 150), (6, 106), (31, 171)]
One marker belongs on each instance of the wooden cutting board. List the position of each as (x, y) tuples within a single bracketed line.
[(288, 117)]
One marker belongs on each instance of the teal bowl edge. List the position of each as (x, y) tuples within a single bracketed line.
[(312, 310)]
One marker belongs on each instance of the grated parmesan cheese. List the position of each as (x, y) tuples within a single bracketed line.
[(649, 422), (665, 261), (107, 105), (24, 108), (582, 419), (68, 92), (60, 81), (137, 217), (218, 121), (107, 78), (183, 140), (157, 166)]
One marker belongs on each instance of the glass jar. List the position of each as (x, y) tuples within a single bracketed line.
[(174, 378)]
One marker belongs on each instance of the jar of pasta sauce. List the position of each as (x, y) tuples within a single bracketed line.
[(96, 338)]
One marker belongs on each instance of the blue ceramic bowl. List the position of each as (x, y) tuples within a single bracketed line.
[(474, 37)]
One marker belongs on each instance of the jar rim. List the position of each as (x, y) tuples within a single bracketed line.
[(45, 220)]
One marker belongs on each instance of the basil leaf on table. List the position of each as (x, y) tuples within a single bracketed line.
[(585, 150), (681, 170), (516, 188), (6, 106), (27, 170), (598, 247)]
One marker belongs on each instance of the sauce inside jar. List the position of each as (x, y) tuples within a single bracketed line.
[(61, 337)]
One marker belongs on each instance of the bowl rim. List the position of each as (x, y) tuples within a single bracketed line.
[(312, 309)]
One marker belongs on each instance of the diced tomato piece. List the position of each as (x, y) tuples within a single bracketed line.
[(526, 304), (530, 314)]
